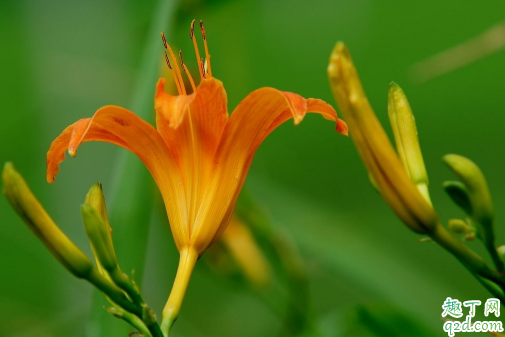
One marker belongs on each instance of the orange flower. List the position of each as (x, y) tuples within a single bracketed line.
[(198, 156)]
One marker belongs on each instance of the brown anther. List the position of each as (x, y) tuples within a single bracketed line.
[(180, 57), (167, 61), (164, 40), (192, 29), (202, 28)]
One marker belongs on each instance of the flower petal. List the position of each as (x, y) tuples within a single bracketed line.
[(193, 122), (56, 153), (253, 119), (191, 127), (122, 127)]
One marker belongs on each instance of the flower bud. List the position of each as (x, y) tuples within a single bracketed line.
[(96, 199), (99, 237), (458, 226), (501, 252), (381, 160), (96, 223), (243, 248), (476, 187), (31, 211), (406, 138)]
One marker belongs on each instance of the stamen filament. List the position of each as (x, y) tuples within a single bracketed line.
[(207, 55), (173, 74), (192, 35), (179, 76), (203, 68), (187, 72)]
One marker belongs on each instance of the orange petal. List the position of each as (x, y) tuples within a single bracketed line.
[(207, 116), (191, 127), (122, 127), (56, 153), (254, 118)]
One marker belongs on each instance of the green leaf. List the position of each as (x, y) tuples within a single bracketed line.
[(459, 195)]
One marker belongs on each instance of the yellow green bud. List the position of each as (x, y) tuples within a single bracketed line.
[(243, 248), (381, 160), (99, 231), (458, 226), (407, 142), (476, 186), (31, 211), (99, 237), (96, 199), (501, 252)]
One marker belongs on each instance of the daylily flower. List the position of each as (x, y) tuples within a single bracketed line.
[(198, 156)]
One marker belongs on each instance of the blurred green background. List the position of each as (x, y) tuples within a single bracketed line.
[(60, 61)]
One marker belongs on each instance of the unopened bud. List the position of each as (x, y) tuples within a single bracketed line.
[(407, 141), (381, 160), (99, 237), (96, 199), (501, 252), (240, 243), (458, 226), (31, 211), (478, 194), (476, 185)]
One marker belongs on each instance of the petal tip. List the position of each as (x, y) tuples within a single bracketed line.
[(342, 127), (298, 119)]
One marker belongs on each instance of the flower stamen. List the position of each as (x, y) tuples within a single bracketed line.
[(197, 52), (187, 72), (203, 69), (207, 55), (172, 55), (167, 60)]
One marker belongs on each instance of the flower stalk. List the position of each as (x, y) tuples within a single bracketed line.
[(172, 308)]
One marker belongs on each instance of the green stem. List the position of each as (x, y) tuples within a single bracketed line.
[(113, 292), (473, 262), (131, 319), (491, 287), (155, 330), (123, 282), (490, 246)]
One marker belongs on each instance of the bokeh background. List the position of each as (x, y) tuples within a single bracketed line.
[(367, 273)]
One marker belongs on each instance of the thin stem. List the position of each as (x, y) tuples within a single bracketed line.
[(155, 329), (496, 258), (491, 287), (172, 308), (123, 282), (489, 242), (113, 292), (467, 257)]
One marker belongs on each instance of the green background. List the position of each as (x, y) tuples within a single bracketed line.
[(60, 61)]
